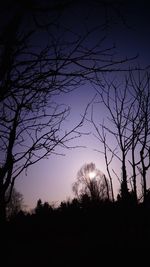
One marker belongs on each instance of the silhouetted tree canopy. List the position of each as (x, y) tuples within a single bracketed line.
[(128, 127), (15, 204), (92, 182), (41, 57), (43, 209)]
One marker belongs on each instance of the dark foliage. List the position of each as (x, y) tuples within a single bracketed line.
[(77, 233)]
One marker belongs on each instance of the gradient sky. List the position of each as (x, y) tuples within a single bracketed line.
[(51, 179)]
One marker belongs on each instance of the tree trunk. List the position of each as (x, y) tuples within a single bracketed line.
[(107, 187), (124, 187), (134, 185), (144, 186), (2, 208), (143, 176), (134, 142)]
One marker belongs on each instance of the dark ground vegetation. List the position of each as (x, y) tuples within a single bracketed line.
[(78, 233)]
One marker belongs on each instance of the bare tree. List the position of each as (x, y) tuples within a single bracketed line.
[(92, 182), (141, 129), (32, 72), (115, 100), (31, 129), (127, 105), (108, 154), (15, 204)]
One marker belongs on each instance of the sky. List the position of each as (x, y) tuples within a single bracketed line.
[(51, 179)]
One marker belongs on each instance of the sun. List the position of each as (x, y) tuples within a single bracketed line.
[(92, 174)]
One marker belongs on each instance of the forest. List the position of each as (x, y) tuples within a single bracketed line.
[(83, 232), (87, 230), (46, 53)]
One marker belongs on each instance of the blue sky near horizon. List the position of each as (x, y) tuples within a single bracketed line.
[(51, 179)]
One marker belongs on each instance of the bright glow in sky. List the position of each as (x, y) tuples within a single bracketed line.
[(92, 175), (52, 179)]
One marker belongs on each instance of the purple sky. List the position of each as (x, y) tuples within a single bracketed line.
[(51, 179)]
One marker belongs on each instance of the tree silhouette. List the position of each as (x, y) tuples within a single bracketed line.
[(129, 126), (15, 205), (37, 62), (92, 182), (43, 209)]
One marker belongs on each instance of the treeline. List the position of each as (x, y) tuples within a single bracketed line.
[(84, 209), (79, 231)]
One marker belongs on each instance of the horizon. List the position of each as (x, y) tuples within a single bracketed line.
[(51, 179)]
